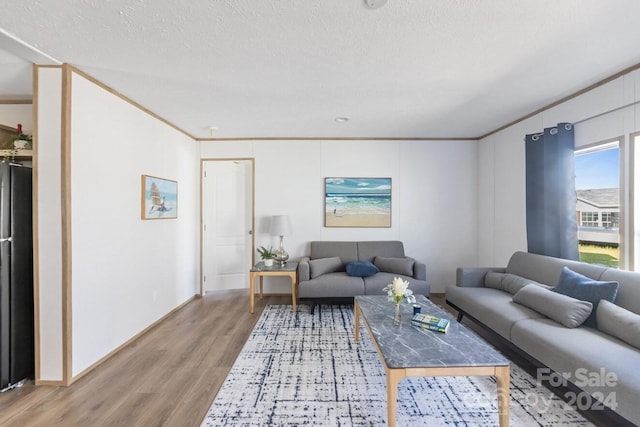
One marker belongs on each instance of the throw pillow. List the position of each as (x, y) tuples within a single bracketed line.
[(512, 283), (585, 288), (568, 311), (507, 282), (361, 269), (494, 280), (403, 266), (320, 266), (619, 322)]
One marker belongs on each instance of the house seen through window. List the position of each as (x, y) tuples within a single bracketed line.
[(598, 203)]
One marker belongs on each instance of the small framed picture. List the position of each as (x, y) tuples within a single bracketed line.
[(357, 202), (159, 198)]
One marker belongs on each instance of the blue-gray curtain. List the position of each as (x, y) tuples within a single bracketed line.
[(551, 193)]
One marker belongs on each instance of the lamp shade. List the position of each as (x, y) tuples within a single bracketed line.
[(280, 225)]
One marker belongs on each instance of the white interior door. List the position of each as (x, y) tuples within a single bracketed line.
[(227, 224)]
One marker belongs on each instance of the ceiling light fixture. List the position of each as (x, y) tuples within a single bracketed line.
[(341, 119), (374, 4)]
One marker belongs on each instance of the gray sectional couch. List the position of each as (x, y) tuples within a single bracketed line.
[(322, 276), (601, 363)]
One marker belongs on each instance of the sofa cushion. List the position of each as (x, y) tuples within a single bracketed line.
[(619, 322), (547, 270), (481, 304), (507, 282), (320, 266), (628, 289), (402, 266), (563, 309), (373, 285), (584, 288), (369, 250), (361, 269), (347, 251), (493, 280), (585, 352), (330, 285)]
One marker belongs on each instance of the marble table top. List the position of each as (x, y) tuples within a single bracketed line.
[(407, 346), (288, 266)]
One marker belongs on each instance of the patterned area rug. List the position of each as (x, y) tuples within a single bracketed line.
[(306, 369)]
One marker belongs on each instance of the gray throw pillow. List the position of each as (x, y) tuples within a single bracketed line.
[(568, 311), (512, 283), (403, 266), (507, 282), (585, 288), (320, 266), (619, 322), (494, 280)]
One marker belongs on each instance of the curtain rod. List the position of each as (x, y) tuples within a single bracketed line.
[(622, 107)]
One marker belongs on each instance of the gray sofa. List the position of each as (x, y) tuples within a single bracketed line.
[(603, 361), (322, 276)]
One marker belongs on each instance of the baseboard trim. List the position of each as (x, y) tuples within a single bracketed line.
[(50, 383), (128, 342)]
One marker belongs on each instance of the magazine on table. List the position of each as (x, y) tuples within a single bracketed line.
[(432, 323)]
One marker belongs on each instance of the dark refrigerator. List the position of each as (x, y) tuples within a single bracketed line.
[(16, 276)]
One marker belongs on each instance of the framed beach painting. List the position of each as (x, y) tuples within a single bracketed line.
[(159, 198), (357, 202)]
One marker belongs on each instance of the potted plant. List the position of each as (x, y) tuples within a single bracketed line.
[(267, 254), (22, 141)]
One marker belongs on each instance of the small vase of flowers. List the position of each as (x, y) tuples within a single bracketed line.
[(398, 291)]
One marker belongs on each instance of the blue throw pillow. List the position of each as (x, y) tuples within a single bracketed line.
[(361, 269), (585, 288)]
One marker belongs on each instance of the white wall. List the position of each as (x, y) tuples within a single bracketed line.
[(12, 114), (49, 215), (127, 273), (433, 200), (501, 174)]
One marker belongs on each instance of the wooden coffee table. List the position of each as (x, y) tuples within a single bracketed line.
[(458, 352)]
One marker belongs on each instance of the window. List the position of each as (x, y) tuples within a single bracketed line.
[(589, 219), (598, 203), (611, 219)]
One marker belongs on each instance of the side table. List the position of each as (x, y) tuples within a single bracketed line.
[(290, 270)]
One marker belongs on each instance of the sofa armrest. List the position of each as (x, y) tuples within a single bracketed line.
[(473, 277), (419, 270), (303, 269)]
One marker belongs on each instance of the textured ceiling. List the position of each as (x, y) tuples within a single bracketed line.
[(274, 68)]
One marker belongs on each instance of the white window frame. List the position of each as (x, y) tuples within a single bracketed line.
[(619, 141)]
